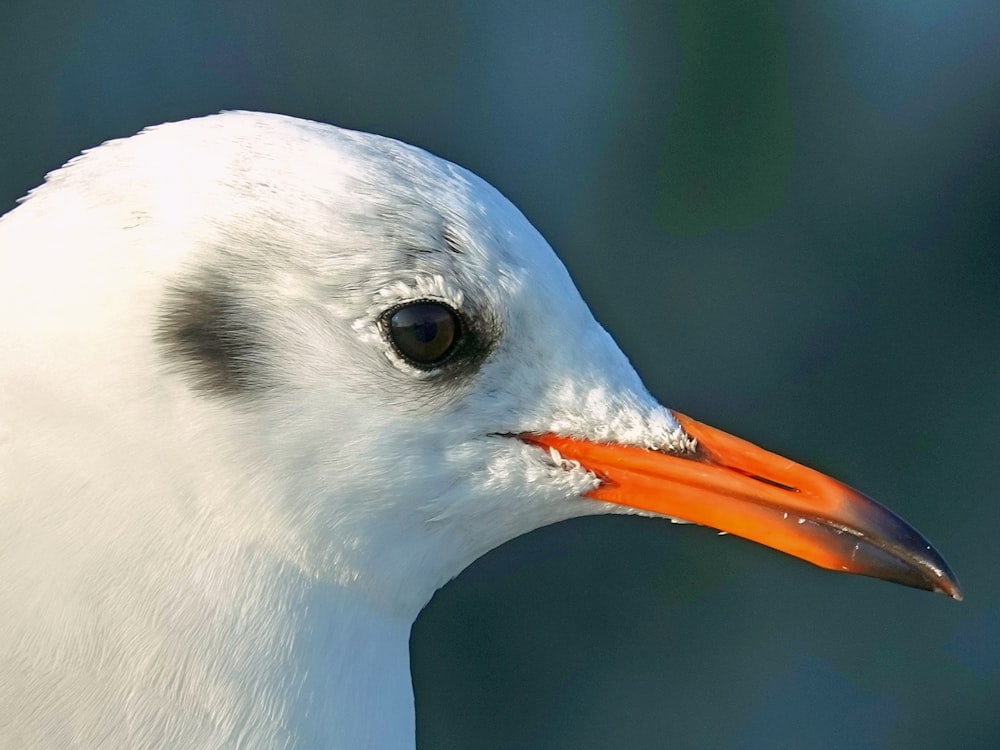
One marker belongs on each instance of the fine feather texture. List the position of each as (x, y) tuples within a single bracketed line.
[(224, 496)]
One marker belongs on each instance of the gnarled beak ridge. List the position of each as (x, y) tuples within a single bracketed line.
[(736, 487)]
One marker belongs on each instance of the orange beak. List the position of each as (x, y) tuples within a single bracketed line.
[(736, 487)]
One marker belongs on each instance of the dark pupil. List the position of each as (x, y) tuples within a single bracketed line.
[(423, 332)]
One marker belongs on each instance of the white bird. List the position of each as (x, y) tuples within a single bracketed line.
[(265, 385)]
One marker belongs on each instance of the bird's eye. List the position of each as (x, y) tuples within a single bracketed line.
[(425, 332)]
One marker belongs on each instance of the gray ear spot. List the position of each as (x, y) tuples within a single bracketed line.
[(208, 333)]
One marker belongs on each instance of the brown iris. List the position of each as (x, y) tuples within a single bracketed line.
[(424, 332)]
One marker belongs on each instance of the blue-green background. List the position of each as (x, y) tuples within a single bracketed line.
[(787, 213)]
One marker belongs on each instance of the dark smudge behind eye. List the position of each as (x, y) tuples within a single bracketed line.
[(208, 332)]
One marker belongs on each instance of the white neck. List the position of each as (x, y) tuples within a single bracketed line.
[(255, 655), (336, 669), (191, 630)]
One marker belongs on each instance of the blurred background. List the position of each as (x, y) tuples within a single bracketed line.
[(788, 215)]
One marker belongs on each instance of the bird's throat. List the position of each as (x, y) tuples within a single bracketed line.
[(334, 670)]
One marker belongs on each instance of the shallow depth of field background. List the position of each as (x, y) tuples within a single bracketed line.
[(787, 214)]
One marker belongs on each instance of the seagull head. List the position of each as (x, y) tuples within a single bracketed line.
[(383, 358), (248, 341)]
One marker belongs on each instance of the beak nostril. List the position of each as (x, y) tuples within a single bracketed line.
[(772, 482)]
